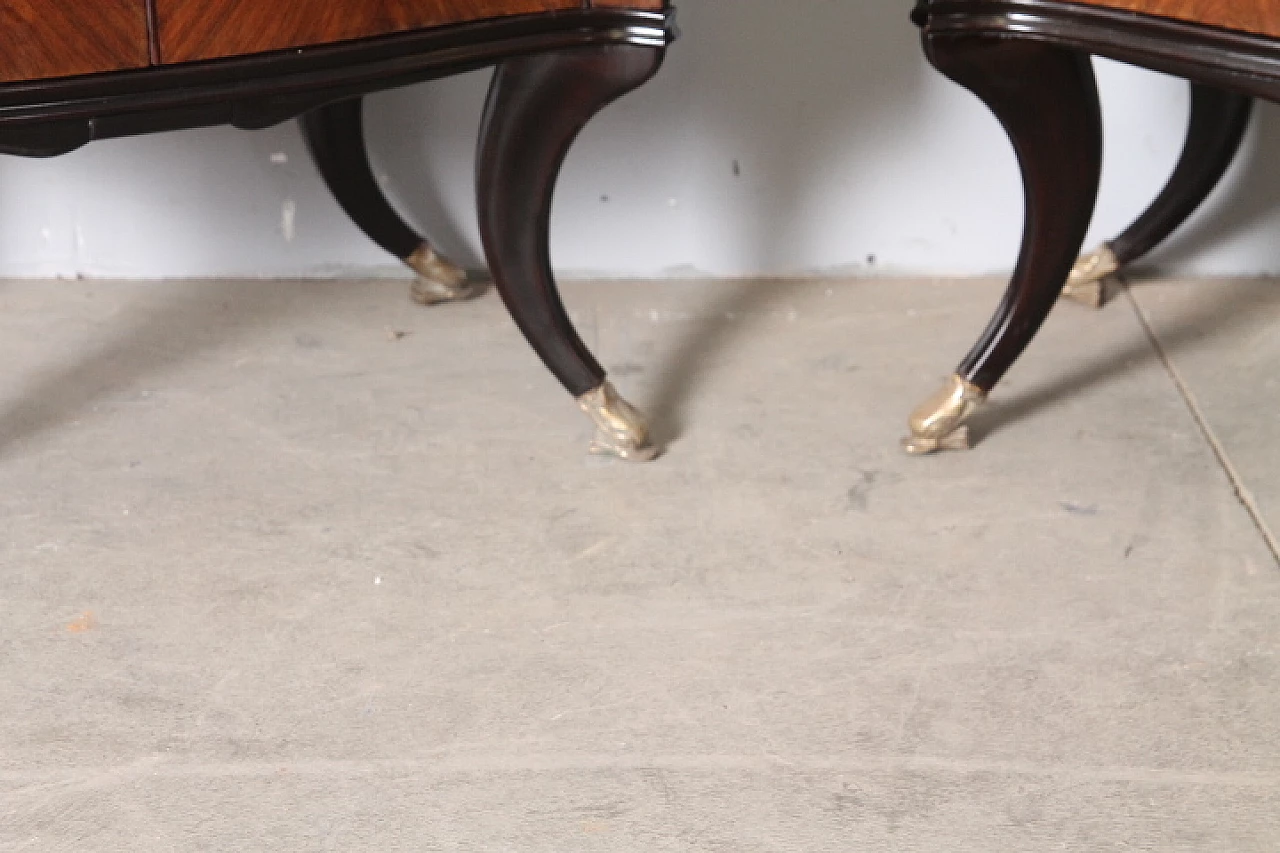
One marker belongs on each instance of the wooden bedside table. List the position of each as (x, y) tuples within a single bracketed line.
[(74, 71), (1029, 61)]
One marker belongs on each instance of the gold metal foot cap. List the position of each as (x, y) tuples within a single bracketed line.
[(621, 431), (439, 279), (939, 424), (1091, 282)]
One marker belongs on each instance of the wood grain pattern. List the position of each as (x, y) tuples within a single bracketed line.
[(45, 118), (40, 39), (193, 30), (1251, 16)]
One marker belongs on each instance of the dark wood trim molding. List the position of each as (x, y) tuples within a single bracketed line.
[(47, 118), (1233, 60)]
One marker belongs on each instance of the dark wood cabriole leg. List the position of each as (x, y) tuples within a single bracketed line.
[(335, 136), (537, 107), (1047, 99), (1217, 128)]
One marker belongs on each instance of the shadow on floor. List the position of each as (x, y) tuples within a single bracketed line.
[(191, 318), (725, 324), (1239, 310)]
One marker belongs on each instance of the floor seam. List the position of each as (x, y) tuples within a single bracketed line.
[(157, 768), (1242, 492)]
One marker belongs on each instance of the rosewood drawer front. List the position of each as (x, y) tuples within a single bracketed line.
[(40, 39), (44, 39), (191, 30), (1252, 16)]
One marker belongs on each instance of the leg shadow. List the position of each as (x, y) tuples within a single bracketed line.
[(1239, 310), (727, 325), (780, 151), (188, 320)]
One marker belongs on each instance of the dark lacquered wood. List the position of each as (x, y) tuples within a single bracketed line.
[(40, 39), (191, 30), (536, 108), (1219, 117), (1238, 65), (1230, 60), (1060, 152), (335, 137), (1215, 133)]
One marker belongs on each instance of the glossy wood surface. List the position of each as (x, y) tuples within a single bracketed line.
[(40, 39), (335, 137), (536, 108), (1060, 152), (191, 30), (1253, 16)]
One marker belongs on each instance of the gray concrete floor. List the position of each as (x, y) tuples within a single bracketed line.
[(305, 567)]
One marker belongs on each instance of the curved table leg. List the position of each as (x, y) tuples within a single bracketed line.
[(1217, 127), (335, 136), (537, 107), (1047, 99)]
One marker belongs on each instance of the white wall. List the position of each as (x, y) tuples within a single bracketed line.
[(852, 156)]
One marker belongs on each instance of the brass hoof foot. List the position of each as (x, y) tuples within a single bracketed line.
[(1092, 282), (439, 279), (621, 431), (939, 424)]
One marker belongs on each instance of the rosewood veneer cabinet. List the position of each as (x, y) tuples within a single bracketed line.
[(73, 71), (1030, 62)]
